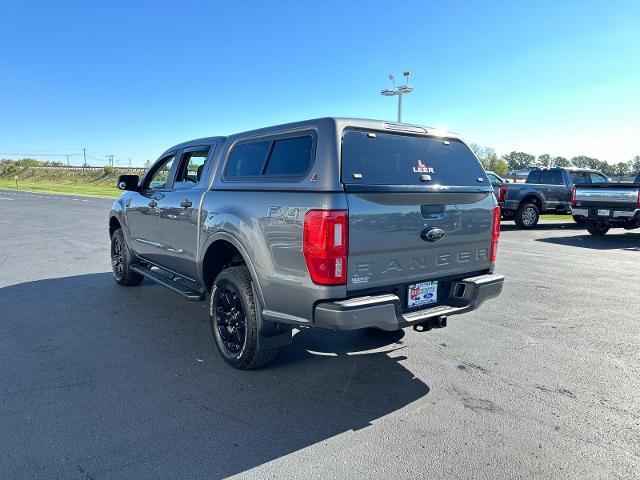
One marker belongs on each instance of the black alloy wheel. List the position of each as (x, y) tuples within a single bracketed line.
[(234, 320), (121, 259), (117, 258), (231, 322)]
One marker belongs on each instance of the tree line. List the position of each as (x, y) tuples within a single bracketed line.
[(29, 162), (521, 160), (9, 167)]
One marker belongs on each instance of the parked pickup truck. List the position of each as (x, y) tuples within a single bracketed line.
[(546, 190), (499, 187), (333, 223), (608, 206)]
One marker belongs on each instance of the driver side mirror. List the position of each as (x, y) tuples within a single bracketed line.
[(128, 182)]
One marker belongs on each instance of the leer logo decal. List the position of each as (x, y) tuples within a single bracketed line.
[(422, 168)]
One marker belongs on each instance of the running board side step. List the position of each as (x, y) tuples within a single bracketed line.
[(171, 284)]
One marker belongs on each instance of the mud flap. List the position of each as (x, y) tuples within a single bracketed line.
[(270, 334)]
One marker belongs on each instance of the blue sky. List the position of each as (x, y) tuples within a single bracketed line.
[(132, 78)]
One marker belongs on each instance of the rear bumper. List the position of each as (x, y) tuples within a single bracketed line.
[(613, 213), (385, 312)]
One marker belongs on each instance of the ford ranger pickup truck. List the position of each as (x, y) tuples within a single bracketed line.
[(333, 223), (546, 190), (608, 206)]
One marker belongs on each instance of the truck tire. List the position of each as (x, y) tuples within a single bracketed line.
[(527, 215), (578, 219), (234, 322), (121, 258), (597, 227)]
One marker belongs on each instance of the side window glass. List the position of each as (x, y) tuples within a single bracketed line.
[(545, 178), (597, 178), (247, 159), (493, 179), (160, 178), (578, 178), (551, 177), (555, 177), (290, 157), (534, 177), (191, 167)]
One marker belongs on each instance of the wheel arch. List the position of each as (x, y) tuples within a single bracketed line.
[(213, 245), (114, 224), (535, 199)]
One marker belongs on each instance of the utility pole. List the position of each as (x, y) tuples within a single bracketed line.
[(110, 157), (84, 154), (129, 162), (67, 160), (400, 91)]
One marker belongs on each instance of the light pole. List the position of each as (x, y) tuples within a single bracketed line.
[(399, 91)]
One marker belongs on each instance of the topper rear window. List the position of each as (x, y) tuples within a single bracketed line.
[(373, 158)]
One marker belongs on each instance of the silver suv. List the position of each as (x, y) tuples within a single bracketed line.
[(335, 223)]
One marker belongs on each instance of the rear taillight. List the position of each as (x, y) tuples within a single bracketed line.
[(638, 198), (495, 234), (573, 195), (324, 245), (502, 194)]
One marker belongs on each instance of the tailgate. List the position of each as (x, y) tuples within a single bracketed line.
[(420, 208), (389, 236)]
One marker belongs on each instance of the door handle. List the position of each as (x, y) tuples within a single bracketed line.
[(186, 203), (153, 204)]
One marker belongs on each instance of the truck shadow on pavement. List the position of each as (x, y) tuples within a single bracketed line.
[(613, 241), (127, 382)]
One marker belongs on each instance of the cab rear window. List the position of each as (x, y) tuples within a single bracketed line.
[(551, 177), (370, 158)]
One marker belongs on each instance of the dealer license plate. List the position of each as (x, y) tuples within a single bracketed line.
[(423, 293), (603, 213)]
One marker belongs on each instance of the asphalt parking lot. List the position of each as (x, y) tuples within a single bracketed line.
[(100, 381)]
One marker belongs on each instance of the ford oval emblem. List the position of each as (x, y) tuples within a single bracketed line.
[(432, 234)]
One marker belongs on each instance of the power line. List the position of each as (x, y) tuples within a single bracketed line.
[(95, 157), (96, 154), (89, 157), (41, 154), (47, 149)]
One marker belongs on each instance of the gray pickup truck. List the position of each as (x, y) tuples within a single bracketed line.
[(608, 206), (546, 190), (499, 185), (333, 223)]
